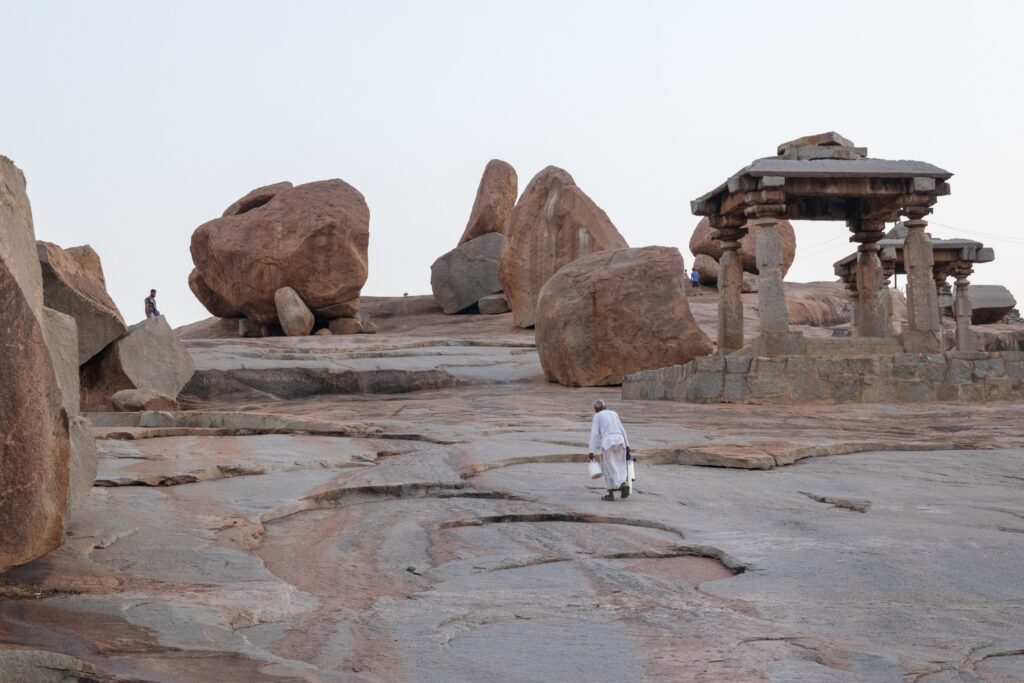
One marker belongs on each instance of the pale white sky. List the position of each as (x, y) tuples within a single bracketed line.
[(135, 122)]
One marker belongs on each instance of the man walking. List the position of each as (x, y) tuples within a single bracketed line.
[(151, 311), (608, 436), (695, 281)]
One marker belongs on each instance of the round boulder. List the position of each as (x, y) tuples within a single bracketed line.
[(312, 238), (703, 241), (609, 314)]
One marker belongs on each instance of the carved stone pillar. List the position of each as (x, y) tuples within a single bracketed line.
[(771, 297), (965, 339), (941, 287), (888, 270), (873, 309), (730, 289), (922, 302)]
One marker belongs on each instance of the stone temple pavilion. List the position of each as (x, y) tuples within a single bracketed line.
[(827, 178)]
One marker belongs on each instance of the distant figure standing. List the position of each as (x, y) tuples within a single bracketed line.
[(608, 436), (695, 281), (151, 310)]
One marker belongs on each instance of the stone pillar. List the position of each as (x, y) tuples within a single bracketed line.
[(922, 303), (888, 269), (771, 297), (965, 339), (730, 289), (873, 317), (940, 276)]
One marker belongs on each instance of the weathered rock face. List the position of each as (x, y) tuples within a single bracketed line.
[(989, 303), (616, 312), (213, 302), (467, 273), (73, 283), (552, 224), (149, 356), (495, 198), (702, 241), (17, 236), (134, 400), (35, 448), (312, 238), (296, 318)]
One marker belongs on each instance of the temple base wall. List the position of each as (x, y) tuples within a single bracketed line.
[(898, 378)]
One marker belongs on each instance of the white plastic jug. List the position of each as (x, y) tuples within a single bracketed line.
[(594, 468), (632, 471)]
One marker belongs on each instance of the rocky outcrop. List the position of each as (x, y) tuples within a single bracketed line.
[(312, 238), (35, 448), (295, 317), (467, 273), (134, 400), (495, 198), (149, 356), (612, 313), (552, 224), (73, 283), (17, 236), (702, 241)]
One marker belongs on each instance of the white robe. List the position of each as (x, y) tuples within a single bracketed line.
[(608, 437)]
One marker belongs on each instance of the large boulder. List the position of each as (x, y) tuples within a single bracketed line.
[(467, 273), (312, 238), (495, 198), (707, 267), (149, 356), (60, 332), (17, 236), (553, 224), (213, 302), (296, 318), (703, 241), (989, 303), (34, 427), (73, 283), (616, 312)]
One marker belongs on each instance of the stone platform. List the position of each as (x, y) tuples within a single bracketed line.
[(871, 378)]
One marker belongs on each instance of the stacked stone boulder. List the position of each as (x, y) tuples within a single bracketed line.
[(47, 457), (553, 224), (616, 312), (707, 251), (310, 240), (464, 276)]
